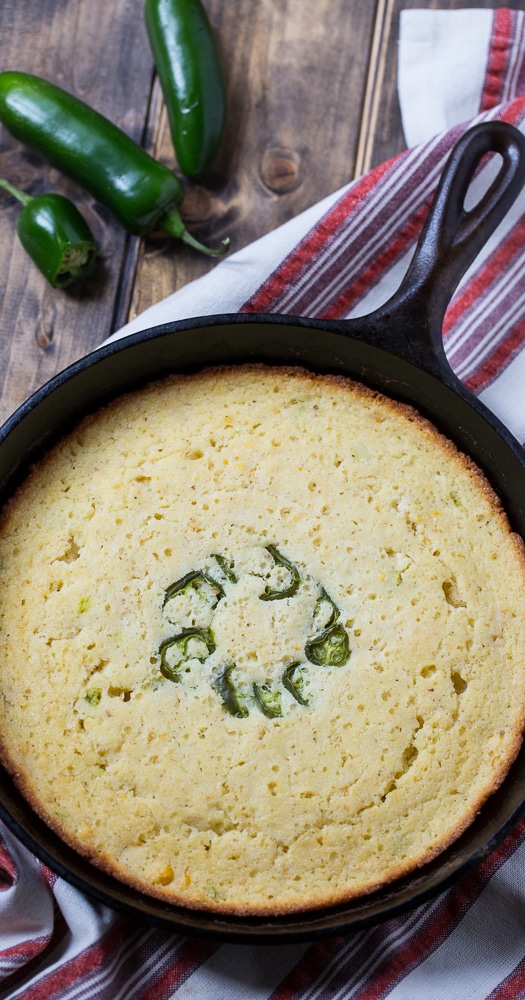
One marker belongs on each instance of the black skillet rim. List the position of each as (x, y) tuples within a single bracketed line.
[(308, 925)]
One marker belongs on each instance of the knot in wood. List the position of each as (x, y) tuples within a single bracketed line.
[(280, 170)]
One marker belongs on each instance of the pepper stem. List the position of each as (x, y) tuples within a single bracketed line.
[(173, 224), (21, 195)]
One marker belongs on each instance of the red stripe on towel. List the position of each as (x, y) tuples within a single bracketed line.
[(498, 54)]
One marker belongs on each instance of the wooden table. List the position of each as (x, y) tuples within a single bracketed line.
[(312, 103)]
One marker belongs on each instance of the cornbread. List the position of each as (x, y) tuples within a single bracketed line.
[(262, 637)]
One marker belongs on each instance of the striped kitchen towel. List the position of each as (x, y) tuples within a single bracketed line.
[(341, 258)]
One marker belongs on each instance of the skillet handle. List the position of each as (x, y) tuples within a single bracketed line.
[(410, 323)]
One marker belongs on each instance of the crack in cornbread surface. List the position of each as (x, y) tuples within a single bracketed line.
[(383, 759)]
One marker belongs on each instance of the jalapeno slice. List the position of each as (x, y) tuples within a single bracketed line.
[(225, 687), (225, 567), (275, 594), (325, 599), (198, 581), (268, 701), (180, 641), (293, 681), (330, 648)]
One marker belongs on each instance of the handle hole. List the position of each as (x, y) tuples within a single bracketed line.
[(487, 170)]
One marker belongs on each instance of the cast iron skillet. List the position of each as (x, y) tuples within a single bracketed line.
[(398, 350)]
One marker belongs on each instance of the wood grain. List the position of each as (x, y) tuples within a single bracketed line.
[(99, 52), (294, 75)]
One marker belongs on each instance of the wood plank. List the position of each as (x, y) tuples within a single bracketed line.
[(99, 51), (295, 74)]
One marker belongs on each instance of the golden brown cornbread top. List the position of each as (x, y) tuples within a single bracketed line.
[(271, 656)]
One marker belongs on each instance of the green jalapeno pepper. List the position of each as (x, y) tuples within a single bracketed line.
[(293, 680), (329, 648), (181, 642), (226, 568), (191, 78), (289, 589), (55, 235), (225, 687), (140, 192), (268, 701), (208, 589)]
